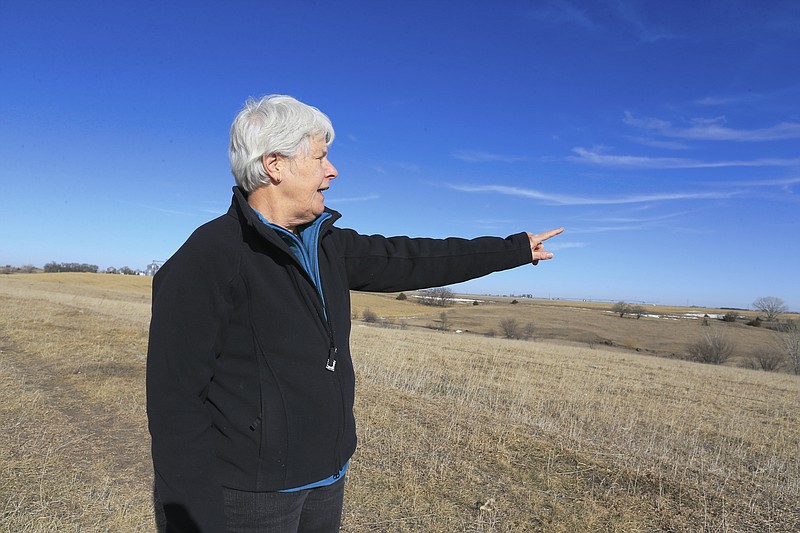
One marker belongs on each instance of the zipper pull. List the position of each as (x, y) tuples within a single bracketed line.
[(331, 363)]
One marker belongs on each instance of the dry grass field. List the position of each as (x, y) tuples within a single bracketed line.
[(572, 431)]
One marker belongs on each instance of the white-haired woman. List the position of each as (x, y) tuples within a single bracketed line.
[(250, 382)]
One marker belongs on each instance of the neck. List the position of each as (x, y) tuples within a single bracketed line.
[(263, 201)]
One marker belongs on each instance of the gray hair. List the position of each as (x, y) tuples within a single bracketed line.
[(274, 125)]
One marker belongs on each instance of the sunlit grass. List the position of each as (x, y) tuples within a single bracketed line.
[(457, 432)]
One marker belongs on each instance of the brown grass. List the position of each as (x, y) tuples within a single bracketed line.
[(457, 432)]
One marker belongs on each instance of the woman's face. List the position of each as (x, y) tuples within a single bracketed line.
[(304, 178)]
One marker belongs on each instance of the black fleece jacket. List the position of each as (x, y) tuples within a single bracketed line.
[(238, 390)]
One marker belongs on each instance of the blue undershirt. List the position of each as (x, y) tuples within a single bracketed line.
[(305, 247)]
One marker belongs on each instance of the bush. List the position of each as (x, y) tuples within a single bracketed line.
[(637, 310), (402, 297), (621, 308), (714, 348), (767, 360), (729, 317), (369, 316), (527, 331), (756, 323), (444, 321), (510, 328)]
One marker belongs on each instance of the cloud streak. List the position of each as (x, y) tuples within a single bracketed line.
[(352, 199), (598, 158), (714, 130), (471, 156), (562, 199)]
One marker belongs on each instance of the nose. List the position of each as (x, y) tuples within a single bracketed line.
[(330, 171)]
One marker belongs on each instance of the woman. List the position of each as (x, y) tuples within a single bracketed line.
[(250, 382)]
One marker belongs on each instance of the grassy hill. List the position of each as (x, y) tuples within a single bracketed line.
[(573, 431)]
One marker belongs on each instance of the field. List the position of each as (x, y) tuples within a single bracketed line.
[(574, 430)]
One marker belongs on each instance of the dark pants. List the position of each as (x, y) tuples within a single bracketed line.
[(307, 511)]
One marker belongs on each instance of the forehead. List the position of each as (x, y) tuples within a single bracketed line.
[(317, 143)]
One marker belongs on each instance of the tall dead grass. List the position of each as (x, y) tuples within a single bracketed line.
[(565, 439), (457, 432)]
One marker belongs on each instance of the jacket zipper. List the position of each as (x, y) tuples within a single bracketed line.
[(331, 366)]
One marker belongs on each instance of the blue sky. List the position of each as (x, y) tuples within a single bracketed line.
[(664, 136)]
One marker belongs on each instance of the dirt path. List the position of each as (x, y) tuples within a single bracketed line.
[(72, 395)]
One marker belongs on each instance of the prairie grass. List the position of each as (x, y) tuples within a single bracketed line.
[(457, 432)]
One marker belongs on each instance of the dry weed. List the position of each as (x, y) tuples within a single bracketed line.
[(457, 432)]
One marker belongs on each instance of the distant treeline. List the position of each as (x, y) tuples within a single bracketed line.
[(24, 269), (69, 267), (52, 266)]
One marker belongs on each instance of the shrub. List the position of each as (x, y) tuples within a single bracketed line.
[(767, 360), (527, 331), (729, 317), (621, 308), (444, 321), (402, 296), (510, 328), (790, 343), (369, 316), (637, 310), (713, 348), (756, 323)]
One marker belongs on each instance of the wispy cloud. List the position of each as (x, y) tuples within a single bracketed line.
[(637, 220), (172, 211), (410, 167), (555, 246), (562, 199), (717, 100), (564, 12), (603, 229), (657, 143), (492, 222), (766, 183), (560, 12), (705, 129), (644, 32), (352, 199), (471, 156), (598, 158)]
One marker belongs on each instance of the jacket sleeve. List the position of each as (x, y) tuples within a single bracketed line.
[(390, 264), (188, 318)]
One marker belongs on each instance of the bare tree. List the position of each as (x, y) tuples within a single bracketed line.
[(621, 308), (767, 359), (510, 328), (637, 310), (444, 321), (771, 306), (369, 316), (714, 348), (438, 297), (789, 341), (528, 331)]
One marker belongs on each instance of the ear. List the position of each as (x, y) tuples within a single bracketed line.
[(272, 165)]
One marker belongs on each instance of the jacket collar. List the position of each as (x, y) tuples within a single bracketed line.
[(241, 210)]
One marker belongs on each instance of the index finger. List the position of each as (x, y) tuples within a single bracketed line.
[(547, 234)]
